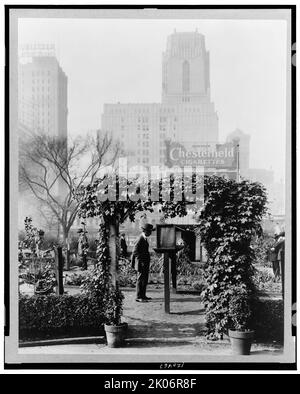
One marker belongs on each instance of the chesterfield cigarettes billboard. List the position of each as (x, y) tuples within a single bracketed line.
[(208, 155)]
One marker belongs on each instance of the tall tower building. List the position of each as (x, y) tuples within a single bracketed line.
[(42, 92), (185, 69), (42, 109), (186, 114)]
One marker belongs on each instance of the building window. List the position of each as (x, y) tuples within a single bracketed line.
[(185, 77)]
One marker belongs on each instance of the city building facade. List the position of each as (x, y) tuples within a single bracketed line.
[(186, 113), (42, 92), (42, 109)]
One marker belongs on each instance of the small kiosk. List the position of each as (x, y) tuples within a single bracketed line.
[(166, 244)]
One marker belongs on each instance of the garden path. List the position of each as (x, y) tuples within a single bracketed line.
[(148, 320)]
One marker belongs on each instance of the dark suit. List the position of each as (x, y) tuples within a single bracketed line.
[(274, 261), (140, 261), (279, 250)]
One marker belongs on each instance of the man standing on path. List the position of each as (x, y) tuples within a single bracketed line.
[(140, 261)]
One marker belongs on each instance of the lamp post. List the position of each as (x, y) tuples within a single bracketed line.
[(166, 244)]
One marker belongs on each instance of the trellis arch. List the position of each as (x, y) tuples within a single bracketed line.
[(231, 215)]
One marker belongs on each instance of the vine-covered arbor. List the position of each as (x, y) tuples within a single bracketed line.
[(229, 218)]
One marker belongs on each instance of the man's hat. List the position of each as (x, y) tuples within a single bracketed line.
[(147, 227)]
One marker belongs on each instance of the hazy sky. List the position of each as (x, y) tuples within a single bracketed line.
[(119, 60)]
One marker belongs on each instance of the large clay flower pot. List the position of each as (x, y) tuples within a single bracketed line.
[(115, 335), (241, 341)]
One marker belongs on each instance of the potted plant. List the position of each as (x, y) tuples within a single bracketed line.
[(114, 329), (240, 313)]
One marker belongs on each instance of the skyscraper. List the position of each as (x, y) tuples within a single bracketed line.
[(42, 109), (186, 114), (185, 69), (42, 92)]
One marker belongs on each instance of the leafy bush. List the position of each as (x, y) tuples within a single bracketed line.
[(268, 319), (98, 283), (52, 313), (114, 306), (239, 310), (231, 216)]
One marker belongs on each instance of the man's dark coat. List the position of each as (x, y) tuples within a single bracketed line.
[(140, 258)]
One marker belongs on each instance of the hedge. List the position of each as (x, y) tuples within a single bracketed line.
[(269, 320), (44, 316)]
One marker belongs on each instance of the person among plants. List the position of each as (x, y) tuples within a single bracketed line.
[(274, 260), (140, 261), (123, 246), (279, 250), (277, 254)]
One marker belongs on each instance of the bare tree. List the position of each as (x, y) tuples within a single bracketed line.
[(53, 168)]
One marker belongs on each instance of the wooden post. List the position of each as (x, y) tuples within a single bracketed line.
[(174, 272), (59, 271), (113, 251), (167, 281)]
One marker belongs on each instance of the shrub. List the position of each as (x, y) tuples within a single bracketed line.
[(231, 216), (114, 306), (98, 283), (240, 309), (52, 313), (268, 319)]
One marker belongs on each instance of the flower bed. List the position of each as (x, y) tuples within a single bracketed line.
[(53, 316)]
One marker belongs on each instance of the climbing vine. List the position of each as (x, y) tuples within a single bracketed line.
[(230, 218), (99, 286)]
